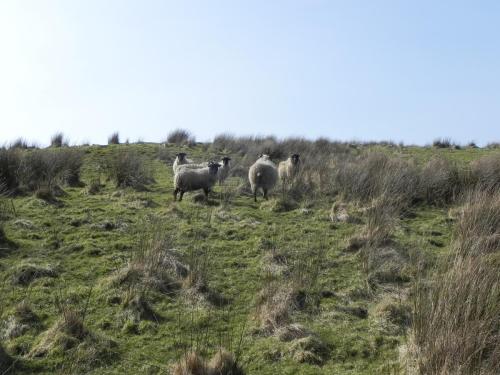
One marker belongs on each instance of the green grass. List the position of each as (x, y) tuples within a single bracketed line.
[(72, 239)]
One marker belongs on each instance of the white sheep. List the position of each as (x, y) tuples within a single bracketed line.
[(187, 179), (180, 159), (289, 168), (223, 171), (262, 175)]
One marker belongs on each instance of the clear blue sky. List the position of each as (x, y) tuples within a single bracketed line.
[(366, 70)]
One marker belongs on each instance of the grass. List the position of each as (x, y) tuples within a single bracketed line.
[(227, 249)]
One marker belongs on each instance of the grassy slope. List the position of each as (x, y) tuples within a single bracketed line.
[(232, 236)]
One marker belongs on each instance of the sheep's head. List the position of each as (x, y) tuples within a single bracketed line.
[(225, 160), (213, 167), (295, 159), (264, 157), (181, 156)]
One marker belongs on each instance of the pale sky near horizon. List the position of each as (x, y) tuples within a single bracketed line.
[(407, 71)]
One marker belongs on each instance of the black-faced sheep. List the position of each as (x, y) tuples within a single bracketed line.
[(223, 171), (289, 168), (187, 179), (262, 175), (180, 159)]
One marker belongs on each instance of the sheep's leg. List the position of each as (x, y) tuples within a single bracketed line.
[(206, 191), (265, 193), (254, 191), (175, 194), (182, 194)]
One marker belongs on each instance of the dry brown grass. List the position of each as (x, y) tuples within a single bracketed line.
[(457, 315), (222, 363), (486, 171)]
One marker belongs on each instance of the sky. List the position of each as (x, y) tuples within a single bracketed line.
[(406, 71)]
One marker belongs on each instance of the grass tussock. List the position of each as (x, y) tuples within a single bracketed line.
[(457, 315), (181, 137), (309, 349), (477, 230), (222, 363), (127, 168), (25, 273), (70, 336), (58, 140), (114, 139), (290, 285), (486, 172)]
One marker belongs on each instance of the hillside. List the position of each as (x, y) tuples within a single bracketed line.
[(102, 278)]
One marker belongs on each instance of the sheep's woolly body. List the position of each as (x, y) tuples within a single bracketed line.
[(222, 172), (187, 179), (263, 175), (191, 166), (287, 170)]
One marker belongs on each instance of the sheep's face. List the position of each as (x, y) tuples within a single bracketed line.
[(225, 161), (213, 167), (181, 156), (264, 157), (295, 159)]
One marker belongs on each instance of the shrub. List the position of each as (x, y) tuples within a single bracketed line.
[(442, 143), (58, 140), (181, 137), (493, 145), (47, 168), (20, 143), (128, 169), (10, 162), (114, 139)]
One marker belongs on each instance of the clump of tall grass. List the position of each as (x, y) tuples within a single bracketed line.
[(486, 172), (127, 168), (10, 162), (114, 139), (58, 140), (70, 335), (477, 230), (291, 289), (181, 137), (373, 174), (441, 181), (457, 314), (47, 168), (442, 143), (222, 363), (20, 143)]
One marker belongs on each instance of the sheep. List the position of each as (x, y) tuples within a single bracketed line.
[(223, 171), (180, 159), (262, 175), (289, 168), (187, 179)]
